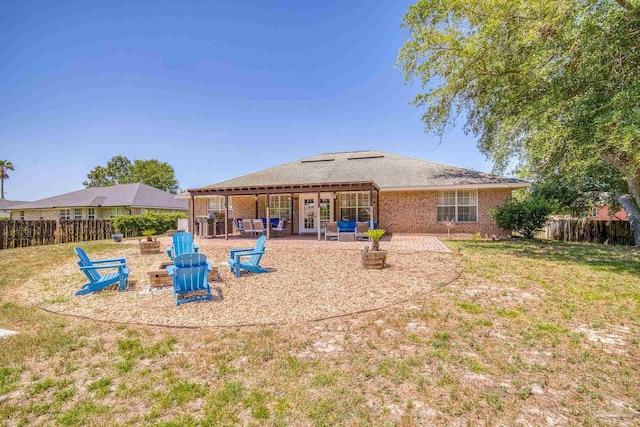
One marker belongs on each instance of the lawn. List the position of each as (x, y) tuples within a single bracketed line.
[(531, 333)]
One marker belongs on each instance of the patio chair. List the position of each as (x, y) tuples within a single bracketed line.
[(331, 230), (182, 244), (96, 280), (239, 225), (190, 276), (253, 264), (258, 226), (280, 227), (361, 230), (247, 227)]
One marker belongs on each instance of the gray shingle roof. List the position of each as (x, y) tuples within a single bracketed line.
[(136, 194), (6, 204), (388, 171)]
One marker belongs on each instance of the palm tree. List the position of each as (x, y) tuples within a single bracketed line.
[(5, 165)]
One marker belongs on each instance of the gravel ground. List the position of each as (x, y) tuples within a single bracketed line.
[(303, 284)]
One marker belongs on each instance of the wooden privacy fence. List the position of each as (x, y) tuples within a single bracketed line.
[(20, 234), (587, 230)]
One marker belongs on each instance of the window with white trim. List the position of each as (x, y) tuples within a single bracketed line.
[(280, 206), (354, 206), (215, 204), (457, 205), (77, 213), (91, 213), (65, 213), (21, 215), (113, 212)]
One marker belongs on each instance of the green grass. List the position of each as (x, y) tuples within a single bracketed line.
[(524, 317)]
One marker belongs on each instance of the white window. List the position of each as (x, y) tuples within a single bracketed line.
[(21, 215), (116, 212), (41, 215), (457, 205), (77, 213), (280, 206), (594, 212), (354, 207), (65, 213), (91, 213), (215, 204)]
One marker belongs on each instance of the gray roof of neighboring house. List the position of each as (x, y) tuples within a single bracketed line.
[(388, 171), (6, 204), (136, 194)]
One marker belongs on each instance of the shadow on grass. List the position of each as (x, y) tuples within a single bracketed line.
[(615, 259)]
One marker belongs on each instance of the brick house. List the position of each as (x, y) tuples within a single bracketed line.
[(5, 206), (404, 195), (100, 203), (603, 213)]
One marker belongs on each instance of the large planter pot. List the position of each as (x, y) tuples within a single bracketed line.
[(147, 248), (117, 237), (373, 259)]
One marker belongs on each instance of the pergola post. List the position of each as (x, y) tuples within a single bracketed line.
[(291, 212), (318, 217), (226, 217), (267, 208), (193, 215)]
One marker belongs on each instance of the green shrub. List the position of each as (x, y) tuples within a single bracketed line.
[(524, 216), (159, 222)]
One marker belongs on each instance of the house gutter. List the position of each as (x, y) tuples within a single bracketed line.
[(457, 187)]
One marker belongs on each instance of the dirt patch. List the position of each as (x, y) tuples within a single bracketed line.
[(302, 285)]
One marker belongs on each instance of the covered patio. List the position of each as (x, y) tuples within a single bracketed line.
[(317, 202)]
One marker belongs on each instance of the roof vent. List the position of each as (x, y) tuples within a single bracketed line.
[(317, 161), (364, 157)]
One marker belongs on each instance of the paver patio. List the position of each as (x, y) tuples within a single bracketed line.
[(399, 242)]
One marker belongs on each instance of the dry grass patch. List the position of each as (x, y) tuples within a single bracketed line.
[(531, 334)]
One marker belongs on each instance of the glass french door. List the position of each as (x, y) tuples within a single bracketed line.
[(308, 222)]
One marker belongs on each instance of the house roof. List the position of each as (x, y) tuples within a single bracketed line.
[(6, 204), (387, 171), (136, 194)]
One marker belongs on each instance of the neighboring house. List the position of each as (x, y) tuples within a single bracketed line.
[(403, 194), (601, 213), (5, 205), (100, 203)]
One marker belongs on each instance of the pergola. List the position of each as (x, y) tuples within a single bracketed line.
[(267, 190)]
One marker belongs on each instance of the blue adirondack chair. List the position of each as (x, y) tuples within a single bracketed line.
[(253, 264), (190, 274), (96, 280), (182, 244)]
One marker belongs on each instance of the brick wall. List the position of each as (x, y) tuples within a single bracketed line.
[(415, 212), (400, 211)]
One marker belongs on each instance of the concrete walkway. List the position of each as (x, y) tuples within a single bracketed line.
[(395, 243)]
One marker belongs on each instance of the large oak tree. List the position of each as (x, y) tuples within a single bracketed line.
[(551, 88), (120, 170)]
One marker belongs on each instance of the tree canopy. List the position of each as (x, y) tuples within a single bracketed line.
[(120, 170), (549, 88)]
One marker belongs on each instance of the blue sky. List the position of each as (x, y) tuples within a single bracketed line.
[(217, 89)]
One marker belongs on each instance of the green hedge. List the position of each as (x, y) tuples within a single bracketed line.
[(160, 222)]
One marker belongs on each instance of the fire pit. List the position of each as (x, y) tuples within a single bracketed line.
[(160, 277)]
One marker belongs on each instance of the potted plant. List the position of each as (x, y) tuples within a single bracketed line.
[(117, 235), (151, 245), (374, 258)]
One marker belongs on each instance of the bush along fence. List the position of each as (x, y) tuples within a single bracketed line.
[(21, 234), (586, 230)]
